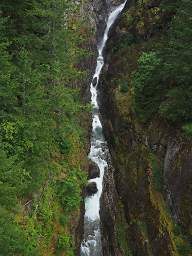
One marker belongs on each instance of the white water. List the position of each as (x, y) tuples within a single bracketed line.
[(91, 245)]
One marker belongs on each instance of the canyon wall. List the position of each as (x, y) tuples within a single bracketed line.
[(146, 200)]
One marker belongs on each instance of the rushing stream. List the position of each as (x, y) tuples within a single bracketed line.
[(91, 245)]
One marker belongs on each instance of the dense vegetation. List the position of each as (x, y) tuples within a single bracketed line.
[(149, 88), (40, 138), (163, 81)]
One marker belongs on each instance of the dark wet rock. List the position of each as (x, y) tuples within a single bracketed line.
[(109, 214), (94, 171), (94, 82), (127, 194), (91, 189), (101, 9)]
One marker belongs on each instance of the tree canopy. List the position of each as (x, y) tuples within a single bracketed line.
[(40, 47), (163, 81)]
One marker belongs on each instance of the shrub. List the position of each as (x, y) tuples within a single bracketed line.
[(69, 192), (147, 89), (64, 242), (187, 129), (124, 87)]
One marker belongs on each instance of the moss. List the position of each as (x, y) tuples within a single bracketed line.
[(157, 171), (64, 243), (150, 214), (187, 129), (49, 219), (147, 215), (181, 171), (143, 236), (122, 232), (183, 245)]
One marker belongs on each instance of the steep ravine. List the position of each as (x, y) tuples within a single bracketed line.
[(99, 154), (146, 205)]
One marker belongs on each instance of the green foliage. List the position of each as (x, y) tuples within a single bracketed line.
[(69, 190), (177, 106), (124, 42), (64, 146), (122, 239), (147, 94), (163, 80), (32, 234), (187, 129), (124, 87), (122, 232), (39, 122), (184, 247), (157, 173), (64, 242), (12, 239), (64, 219)]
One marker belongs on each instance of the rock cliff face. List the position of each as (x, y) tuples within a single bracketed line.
[(146, 204), (146, 201), (97, 12)]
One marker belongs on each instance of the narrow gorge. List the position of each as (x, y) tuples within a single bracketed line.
[(99, 154), (145, 204), (95, 128)]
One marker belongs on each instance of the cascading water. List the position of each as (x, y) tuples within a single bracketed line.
[(91, 245)]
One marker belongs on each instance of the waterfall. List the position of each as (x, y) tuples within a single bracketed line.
[(91, 244)]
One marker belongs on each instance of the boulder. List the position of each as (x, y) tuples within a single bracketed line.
[(91, 189), (94, 82), (94, 171)]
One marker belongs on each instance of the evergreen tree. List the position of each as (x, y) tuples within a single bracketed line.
[(39, 51), (163, 79)]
